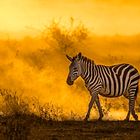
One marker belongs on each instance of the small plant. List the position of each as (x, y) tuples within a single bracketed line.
[(74, 116), (13, 103), (13, 107), (48, 111), (107, 108)]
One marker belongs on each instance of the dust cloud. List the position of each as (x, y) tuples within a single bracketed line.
[(37, 66)]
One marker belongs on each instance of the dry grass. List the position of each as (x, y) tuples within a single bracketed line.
[(21, 120)]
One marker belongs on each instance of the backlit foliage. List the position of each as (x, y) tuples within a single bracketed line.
[(66, 38)]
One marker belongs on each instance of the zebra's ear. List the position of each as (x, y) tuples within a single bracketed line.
[(69, 58), (79, 56)]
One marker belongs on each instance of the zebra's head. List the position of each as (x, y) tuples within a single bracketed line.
[(74, 68)]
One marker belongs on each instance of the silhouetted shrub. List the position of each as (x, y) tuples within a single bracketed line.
[(48, 111), (13, 103), (66, 39)]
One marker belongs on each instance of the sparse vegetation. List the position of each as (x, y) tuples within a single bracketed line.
[(13, 104), (23, 119)]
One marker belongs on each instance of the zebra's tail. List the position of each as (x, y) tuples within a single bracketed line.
[(136, 92)]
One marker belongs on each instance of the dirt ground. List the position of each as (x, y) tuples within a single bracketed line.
[(73, 130), (33, 128)]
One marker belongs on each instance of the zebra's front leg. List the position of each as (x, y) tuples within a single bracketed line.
[(97, 101), (93, 97), (128, 116)]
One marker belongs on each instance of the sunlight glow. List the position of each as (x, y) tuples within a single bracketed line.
[(102, 17)]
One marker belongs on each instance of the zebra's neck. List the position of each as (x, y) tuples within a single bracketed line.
[(89, 72)]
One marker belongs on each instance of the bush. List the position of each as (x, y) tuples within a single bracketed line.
[(47, 111), (65, 38), (13, 103)]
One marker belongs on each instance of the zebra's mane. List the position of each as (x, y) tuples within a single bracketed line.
[(85, 59)]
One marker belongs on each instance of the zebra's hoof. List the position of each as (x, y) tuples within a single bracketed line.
[(85, 119), (100, 119), (126, 120), (136, 117)]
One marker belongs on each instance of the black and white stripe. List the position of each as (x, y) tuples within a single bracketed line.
[(108, 81)]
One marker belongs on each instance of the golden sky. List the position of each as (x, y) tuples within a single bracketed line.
[(103, 17)]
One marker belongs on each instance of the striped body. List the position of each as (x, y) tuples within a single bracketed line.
[(108, 81)]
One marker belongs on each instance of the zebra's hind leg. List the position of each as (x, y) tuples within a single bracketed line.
[(132, 107), (131, 110), (97, 101), (132, 98), (128, 114)]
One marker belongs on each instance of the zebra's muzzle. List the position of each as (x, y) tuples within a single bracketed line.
[(69, 82)]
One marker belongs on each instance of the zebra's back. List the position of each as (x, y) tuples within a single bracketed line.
[(117, 79)]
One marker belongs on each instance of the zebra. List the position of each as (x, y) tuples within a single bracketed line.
[(107, 81)]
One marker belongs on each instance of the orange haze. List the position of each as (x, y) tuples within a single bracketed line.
[(33, 48)]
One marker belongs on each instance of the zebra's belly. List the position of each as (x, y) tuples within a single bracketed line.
[(106, 93), (109, 95)]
